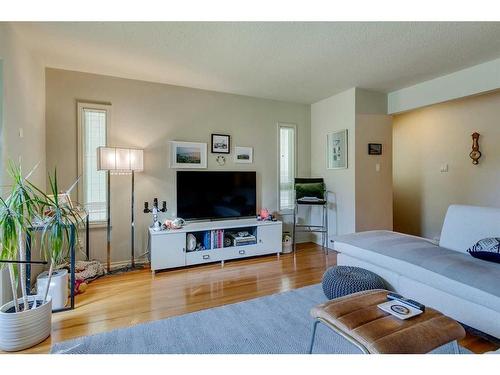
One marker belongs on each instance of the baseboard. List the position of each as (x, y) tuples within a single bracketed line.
[(317, 241), (125, 263)]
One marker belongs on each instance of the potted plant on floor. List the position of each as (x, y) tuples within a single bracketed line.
[(26, 321)]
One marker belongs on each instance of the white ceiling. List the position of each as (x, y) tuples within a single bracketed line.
[(291, 61)]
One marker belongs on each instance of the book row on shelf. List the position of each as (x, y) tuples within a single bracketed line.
[(218, 239), (213, 239)]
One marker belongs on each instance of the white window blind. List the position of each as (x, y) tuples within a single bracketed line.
[(93, 121), (286, 166)]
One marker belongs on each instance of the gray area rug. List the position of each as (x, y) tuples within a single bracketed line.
[(276, 324)]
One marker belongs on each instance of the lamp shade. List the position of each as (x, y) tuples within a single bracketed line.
[(120, 159)]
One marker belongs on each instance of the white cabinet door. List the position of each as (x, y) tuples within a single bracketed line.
[(269, 238), (168, 251)]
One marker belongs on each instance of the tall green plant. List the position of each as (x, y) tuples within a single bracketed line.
[(16, 214), (25, 203), (8, 242)]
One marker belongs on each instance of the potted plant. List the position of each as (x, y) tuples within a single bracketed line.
[(26, 321)]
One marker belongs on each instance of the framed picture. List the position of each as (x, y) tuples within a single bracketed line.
[(374, 149), (221, 144), (188, 155), (243, 155), (336, 150)]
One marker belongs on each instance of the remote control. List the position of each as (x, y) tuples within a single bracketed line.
[(410, 302)]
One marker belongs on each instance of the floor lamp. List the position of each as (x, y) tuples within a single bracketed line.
[(120, 160)]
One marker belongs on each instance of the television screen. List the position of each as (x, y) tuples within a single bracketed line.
[(216, 195)]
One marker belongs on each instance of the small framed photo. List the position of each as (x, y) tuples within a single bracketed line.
[(243, 154), (374, 149), (221, 144), (188, 155), (336, 150)]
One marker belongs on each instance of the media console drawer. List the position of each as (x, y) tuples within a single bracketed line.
[(239, 252), (204, 256)]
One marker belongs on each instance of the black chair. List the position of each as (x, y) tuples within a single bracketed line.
[(311, 197)]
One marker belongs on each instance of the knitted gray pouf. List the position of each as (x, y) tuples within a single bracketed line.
[(339, 281)]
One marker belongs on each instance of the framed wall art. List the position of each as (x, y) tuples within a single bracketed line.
[(221, 144), (336, 150), (188, 155), (243, 155), (374, 149)]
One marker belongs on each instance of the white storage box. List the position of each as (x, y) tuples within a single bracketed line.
[(58, 289)]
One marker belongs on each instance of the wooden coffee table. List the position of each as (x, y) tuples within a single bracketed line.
[(357, 318)]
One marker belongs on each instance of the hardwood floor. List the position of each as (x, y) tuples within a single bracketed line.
[(130, 298)]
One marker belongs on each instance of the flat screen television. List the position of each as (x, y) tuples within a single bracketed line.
[(216, 195)]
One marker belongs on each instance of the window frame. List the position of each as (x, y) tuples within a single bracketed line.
[(280, 125), (81, 106)]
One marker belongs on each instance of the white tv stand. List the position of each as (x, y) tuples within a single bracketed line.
[(169, 247)]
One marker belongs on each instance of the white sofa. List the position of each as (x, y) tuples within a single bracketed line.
[(442, 276)]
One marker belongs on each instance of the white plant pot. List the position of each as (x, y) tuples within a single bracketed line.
[(24, 329)]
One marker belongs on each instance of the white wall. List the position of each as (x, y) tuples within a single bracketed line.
[(23, 107), (471, 81), (148, 115), (361, 197), (427, 138), (327, 116)]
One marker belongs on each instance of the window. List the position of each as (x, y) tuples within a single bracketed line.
[(93, 120), (286, 135)]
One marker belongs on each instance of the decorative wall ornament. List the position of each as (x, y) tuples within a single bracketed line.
[(336, 150), (475, 154), (221, 160)]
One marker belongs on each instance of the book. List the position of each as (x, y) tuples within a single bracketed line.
[(206, 240), (221, 238), (399, 309)]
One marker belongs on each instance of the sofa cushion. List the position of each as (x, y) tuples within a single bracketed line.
[(465, 225), (486, 249), (420, 259)]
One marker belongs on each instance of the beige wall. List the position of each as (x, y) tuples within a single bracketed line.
[(148, 115), (23, 107), (425, 139), (373, 187)]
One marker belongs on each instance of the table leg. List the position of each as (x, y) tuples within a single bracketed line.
[(456, 349), (311, 345), (28, 259), (72, 266), (87, 237)]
